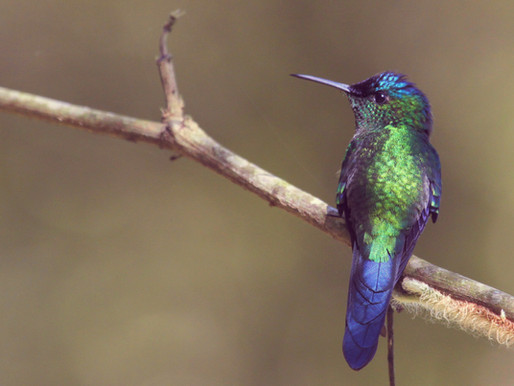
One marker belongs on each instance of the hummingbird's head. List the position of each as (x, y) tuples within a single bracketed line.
[(385, 99)]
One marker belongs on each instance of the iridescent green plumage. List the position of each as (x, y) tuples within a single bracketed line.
[(390, 184), (388, 181)]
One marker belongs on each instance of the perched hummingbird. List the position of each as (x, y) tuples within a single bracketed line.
[(390, 184)]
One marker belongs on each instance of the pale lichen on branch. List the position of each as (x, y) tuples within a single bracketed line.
[(432, 304)]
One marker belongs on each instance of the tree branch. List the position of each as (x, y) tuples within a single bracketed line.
[(425, 288)]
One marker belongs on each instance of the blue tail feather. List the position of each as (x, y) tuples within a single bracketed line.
[(371, 286)]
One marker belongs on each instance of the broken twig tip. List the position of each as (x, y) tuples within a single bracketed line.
[(172, 19), (177, 13)]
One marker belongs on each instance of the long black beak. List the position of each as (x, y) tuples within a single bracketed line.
[(331, 83)]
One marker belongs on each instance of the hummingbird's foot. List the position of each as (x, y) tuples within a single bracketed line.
[(333, 212)]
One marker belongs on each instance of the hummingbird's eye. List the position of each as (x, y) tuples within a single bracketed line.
[(380, 98)]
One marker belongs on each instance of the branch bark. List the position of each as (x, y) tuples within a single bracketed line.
[(424, 289)]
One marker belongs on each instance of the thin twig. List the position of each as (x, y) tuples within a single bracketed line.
[(82, 117), (390, 344), (174, 103)]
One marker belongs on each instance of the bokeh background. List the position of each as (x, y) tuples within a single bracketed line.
[(119, 267)]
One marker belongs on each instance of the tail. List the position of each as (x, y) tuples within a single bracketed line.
[(371, 286)]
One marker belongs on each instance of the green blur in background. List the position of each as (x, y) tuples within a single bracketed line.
[(119, 267)]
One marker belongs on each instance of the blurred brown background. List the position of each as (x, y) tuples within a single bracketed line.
[(118, 267)]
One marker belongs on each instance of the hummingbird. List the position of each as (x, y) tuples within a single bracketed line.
[(389, 186)]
